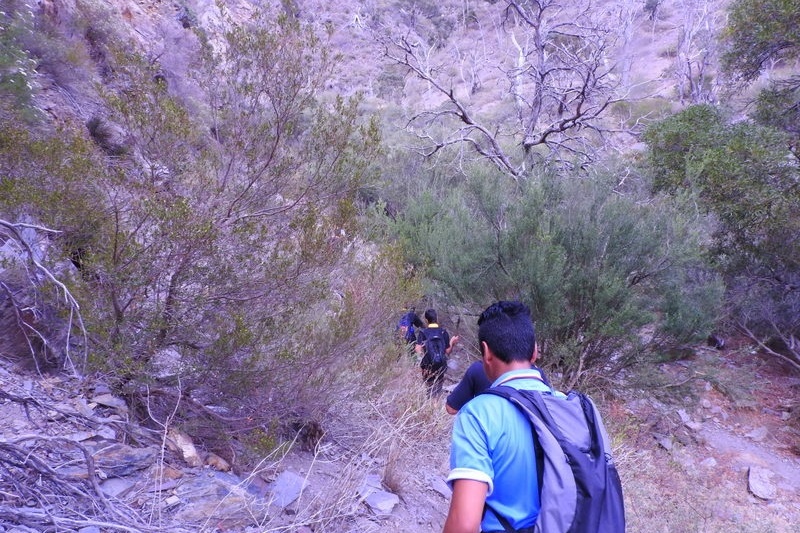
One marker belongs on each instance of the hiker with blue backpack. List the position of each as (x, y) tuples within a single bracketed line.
[(408, 325), (525, 458), (434, 344)]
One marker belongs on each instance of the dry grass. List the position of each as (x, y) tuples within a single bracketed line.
[(399, 434), (675, 490), (662, 495), (414, 433)]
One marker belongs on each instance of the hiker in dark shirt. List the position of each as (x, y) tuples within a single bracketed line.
[(475, 382), (408, 325), (434, 368)]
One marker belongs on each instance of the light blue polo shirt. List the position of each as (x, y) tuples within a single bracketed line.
[(492, 442)]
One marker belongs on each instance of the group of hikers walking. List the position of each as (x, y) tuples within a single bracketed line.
[(432, 343), (524, 457)]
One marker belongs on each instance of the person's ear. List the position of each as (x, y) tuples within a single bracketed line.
[(488, 354), (490, 362)]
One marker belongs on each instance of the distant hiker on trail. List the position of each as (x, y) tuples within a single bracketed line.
[(435, 344), (475, 382), (509, 444), (408, 325)]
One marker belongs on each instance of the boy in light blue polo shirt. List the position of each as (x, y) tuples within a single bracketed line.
[(492, 456)]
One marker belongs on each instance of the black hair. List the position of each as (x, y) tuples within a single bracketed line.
[(431, 316), (507, 328)]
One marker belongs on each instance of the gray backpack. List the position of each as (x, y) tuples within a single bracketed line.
[(579, 485)]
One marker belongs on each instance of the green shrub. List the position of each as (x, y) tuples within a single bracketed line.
[(17, 67), (745, 176), (595, 264), (229, 237)]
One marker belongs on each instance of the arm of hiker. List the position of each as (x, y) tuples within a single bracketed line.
[(466, 506), (462, 393), (453, 341)]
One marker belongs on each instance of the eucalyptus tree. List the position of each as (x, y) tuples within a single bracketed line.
[(744, 176), (765, 36), (761, 36)]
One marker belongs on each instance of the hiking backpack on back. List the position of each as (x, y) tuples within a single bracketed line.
[(580, 489), (435, 349), (406, 325)]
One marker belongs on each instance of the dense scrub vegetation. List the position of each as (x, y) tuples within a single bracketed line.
[(598, 260), (698, 236), (214, 241), (245, 242)]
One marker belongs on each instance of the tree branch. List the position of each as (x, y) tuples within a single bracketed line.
[(13, 231)]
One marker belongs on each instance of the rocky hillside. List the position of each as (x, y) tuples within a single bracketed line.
[(658, 44), (713, 447), (74, 458)]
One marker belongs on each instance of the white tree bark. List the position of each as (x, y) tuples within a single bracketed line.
[(558, 78)]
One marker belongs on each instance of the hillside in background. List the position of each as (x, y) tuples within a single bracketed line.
[(213, 213), (655, 50)]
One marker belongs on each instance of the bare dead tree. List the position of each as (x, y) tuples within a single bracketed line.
[(696, 58), (558, 79), (786, 349)]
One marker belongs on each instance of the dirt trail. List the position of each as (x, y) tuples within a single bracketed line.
[(741, 452)]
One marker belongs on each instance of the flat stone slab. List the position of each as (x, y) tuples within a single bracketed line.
[(287, 488)]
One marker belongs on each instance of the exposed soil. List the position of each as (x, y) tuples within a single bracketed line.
[(690, 469)]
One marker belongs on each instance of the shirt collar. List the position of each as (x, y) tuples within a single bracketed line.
[(522, 373)]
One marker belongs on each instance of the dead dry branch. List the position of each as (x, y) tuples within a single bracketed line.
[(37, 411), (51, 483), (789, 351), (557, 65), (37, 275)]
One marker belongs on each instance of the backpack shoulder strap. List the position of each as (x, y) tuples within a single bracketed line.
[(580, 487), (437, 335), (434, 332), (557, 484)]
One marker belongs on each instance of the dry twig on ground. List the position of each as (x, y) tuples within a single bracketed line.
[(41, 492)]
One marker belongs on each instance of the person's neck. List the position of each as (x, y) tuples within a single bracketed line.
[(510, 367), (518, 365)]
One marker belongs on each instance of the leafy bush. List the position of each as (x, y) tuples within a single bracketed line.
[(746, 176), (759, 31), (16, 64), (225, 240), (595, 264), (779, 106), (762, 34)]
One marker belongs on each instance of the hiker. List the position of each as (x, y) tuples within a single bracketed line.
[(434, 343), (492, 457), (408, 325), (475, 382)]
